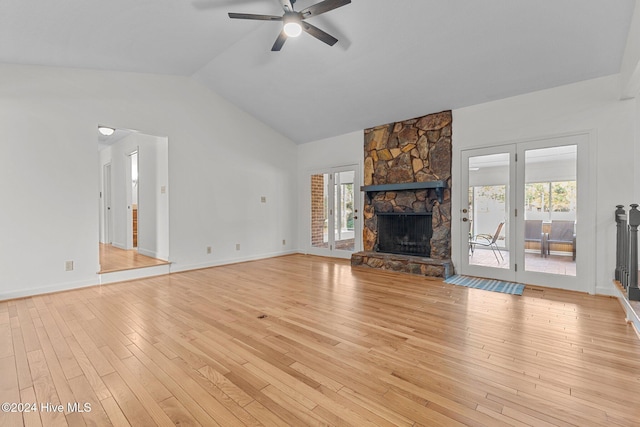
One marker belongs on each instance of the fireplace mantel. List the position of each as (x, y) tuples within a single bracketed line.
[(438, 185)]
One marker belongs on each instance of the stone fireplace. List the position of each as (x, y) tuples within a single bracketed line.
[(407, 211)]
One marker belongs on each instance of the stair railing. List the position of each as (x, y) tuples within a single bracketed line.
[(627, 250)]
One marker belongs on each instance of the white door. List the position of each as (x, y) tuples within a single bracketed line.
[(335, 212), (108, 218), (540, 190), (487, 219)]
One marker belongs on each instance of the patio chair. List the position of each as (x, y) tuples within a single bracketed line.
[(533, 233), (562, 232), (488, 240)]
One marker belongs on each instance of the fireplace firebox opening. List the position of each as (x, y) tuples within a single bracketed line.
[(405, 233)]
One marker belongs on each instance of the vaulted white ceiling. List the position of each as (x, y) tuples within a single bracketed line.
[(394, 59)]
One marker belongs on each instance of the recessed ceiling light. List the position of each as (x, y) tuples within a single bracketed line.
[(474, 169), (106, 131)]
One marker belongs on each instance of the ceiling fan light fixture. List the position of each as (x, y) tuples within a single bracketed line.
[(295, 21), (106, 131), (292, 29)]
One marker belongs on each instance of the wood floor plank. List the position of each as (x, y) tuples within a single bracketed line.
[(30, 418), (212, 406), (185, 399), (220, 396), (338, 346), (378, 408), (226, 386), (94, 414), (88, 346), (138, 388), (22, 365), (265, 416), (90, 374), (5, 337), (68, 363), (179, 415), (113, 411), (126, 400), (304, 415), (9, 391), (45, 390), (27, 327)]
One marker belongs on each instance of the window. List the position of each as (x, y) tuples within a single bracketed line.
[(551, 200)]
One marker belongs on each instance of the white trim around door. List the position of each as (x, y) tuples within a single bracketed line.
[(547, 183), (335, 212)]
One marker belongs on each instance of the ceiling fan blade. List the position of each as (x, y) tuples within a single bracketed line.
[(318, 33), (322, 7), (255, 17), (287, 5), (282, 37)]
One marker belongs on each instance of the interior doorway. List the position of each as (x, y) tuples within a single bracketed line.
[(134, 210)]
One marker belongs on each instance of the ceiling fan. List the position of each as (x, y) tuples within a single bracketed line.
[(294, 22)]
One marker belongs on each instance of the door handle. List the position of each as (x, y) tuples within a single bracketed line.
[(465, 219)]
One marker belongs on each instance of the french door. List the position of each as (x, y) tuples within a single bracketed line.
[(525, 213), (335, 207)]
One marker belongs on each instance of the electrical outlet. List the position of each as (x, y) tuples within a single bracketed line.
[(263, 199), (68, 266), (209, 249), (284, 242), (237, 246)]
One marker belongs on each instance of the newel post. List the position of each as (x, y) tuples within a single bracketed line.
[(634, 222), (619, 242)]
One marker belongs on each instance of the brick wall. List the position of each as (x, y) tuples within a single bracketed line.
[(317, 210)]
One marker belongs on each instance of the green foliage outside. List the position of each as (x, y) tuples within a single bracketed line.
[(551, 196)]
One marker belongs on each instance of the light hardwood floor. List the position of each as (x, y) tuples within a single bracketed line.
[(116, 259), (302, 340)]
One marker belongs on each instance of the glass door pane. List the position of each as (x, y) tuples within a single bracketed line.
[(487, 214), (488, 211), (550, 210), (344, 198)]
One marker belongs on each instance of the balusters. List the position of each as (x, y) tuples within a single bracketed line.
[(627, 250), (634, 222)]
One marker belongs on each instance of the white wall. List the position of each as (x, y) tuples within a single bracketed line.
[(342, 150), (630, 67), (221, 160), (593, 106)]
